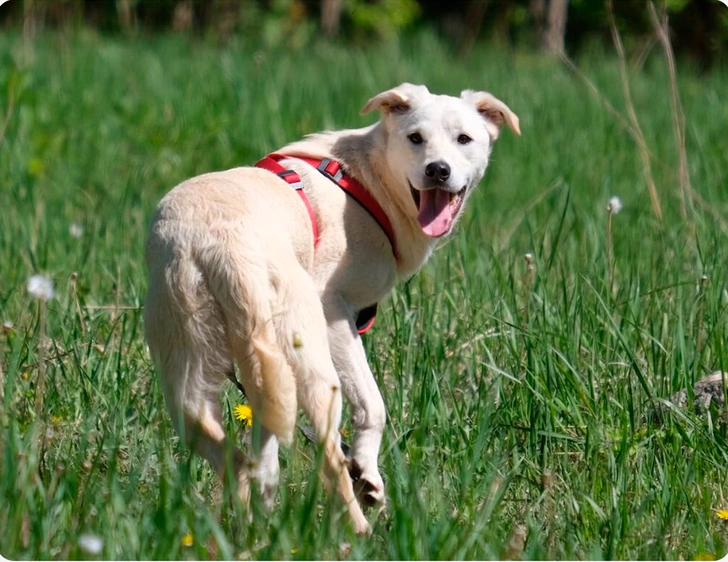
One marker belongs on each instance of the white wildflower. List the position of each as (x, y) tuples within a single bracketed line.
[(90, 543), (529, 262), (8, 326), (614, 205), (40, 287), (75, 230)]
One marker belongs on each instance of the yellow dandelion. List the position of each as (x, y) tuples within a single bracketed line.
[(722, 514), (704, 556), (294, 550), (188, 540), (55, 420), (243, 413)]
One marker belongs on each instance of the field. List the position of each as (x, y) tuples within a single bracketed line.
[(526, 404)]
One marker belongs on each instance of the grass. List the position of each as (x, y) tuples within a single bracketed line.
[(519, 399)]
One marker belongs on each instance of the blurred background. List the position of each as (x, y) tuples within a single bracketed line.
[(699, 28)]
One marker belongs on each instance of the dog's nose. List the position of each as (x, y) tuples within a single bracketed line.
[(438, 171)]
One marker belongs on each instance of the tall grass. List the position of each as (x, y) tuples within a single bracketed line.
[(520, 393)]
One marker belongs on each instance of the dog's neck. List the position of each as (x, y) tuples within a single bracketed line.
[(361, 153)]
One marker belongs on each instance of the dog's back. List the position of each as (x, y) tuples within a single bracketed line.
[(212, 255), (227, 256)]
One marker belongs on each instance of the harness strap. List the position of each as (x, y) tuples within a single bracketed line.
[(271, 164), (332, 170)]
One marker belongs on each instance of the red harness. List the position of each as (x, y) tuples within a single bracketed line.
[(332, 170)]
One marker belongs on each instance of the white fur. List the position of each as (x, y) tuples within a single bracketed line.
[(234, 278)]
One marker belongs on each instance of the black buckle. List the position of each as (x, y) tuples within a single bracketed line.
[(365, 318)]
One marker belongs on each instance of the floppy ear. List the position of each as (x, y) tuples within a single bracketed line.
[(396, 100), (493, 110)]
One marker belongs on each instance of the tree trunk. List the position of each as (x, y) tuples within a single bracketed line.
[(475, 16), (553, 38), (330, 16), (227, 13), (30, 21), (537, 7), (126, 15), (182, 16)]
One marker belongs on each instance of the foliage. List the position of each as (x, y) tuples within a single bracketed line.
[(387, 17), (519, 399), (699, 27)]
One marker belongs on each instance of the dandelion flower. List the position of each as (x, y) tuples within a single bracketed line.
[(722, 514), (243, 413), (90, 543), (188, 540), (75, 230), (8, 327), (614, 205), (704, 556), (40, 287)]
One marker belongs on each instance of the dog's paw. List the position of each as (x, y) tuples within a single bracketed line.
[(267, 486), (268, 491), (368, 485), (265, 475)]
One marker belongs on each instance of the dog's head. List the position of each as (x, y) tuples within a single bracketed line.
[(438, 147)]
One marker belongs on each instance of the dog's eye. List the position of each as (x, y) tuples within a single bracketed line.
[(464, 139), (415, 138)]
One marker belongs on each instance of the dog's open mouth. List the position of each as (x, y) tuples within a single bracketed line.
[(437, 209)]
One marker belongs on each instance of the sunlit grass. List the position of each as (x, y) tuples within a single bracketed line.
[(519, 391)]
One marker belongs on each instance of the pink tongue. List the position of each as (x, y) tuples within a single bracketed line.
[(435, 217)]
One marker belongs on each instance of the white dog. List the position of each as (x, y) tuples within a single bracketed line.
[(273, 268)]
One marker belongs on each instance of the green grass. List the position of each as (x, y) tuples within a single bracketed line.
[(518, 402)]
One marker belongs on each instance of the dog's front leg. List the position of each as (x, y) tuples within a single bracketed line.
[(367, 407)]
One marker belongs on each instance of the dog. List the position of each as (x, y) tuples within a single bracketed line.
[(270, 268)]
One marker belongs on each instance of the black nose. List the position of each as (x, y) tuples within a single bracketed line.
[(439, 171)]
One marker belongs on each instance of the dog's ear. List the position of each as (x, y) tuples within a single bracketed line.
[(493, 110), (396, 100)]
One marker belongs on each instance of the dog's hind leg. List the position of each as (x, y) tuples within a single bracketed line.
[(321, 400), (265, 468), (203, 430), (187, 340), (246, 289), (264, 465), (301, 329)]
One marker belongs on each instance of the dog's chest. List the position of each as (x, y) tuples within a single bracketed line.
[(359, 272)]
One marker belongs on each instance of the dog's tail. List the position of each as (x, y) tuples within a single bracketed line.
[(245, 290)]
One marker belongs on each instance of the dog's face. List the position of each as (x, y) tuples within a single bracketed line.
[(438, 148)]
